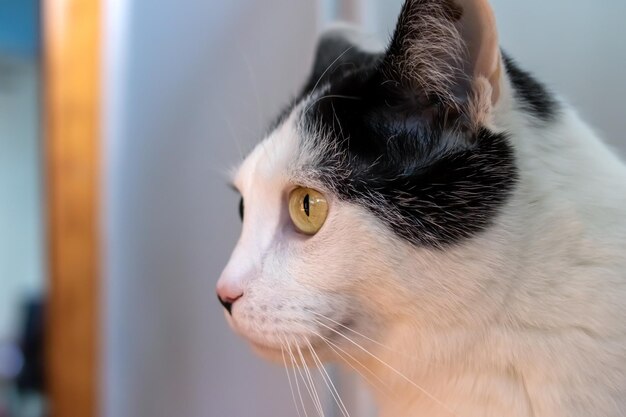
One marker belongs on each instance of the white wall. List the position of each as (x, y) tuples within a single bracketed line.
[(574, 46), (190, 85)]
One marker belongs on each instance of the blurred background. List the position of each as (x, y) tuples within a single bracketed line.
[(22, 271), (185, 89)]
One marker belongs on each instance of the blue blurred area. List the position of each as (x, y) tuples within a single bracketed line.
[(19, 27)]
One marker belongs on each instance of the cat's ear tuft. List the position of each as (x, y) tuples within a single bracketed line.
[(447, 49), (342, 48)]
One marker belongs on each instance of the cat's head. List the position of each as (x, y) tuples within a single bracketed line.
[(372, 199)]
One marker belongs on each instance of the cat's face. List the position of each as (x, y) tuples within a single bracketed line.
[(295, 284), (397, 148)]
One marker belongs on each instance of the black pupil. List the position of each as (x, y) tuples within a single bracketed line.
[(241, 208), (305, 203)]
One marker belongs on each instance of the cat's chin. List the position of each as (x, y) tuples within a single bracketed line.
[(268, 353), (287, 358)]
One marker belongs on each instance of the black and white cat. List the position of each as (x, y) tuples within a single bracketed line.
[(432, 216)]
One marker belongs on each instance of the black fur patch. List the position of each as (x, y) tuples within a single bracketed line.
[(533, 95), (407, 159), (380, 136), (335, 56)]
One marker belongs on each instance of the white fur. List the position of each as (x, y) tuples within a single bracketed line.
[(525, 319), (536, 305)]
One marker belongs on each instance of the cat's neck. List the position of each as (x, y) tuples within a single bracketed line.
[(463, 385)]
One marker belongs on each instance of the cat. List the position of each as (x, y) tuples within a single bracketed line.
[(431, 215)]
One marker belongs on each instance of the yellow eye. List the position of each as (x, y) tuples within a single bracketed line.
[(308, 210)]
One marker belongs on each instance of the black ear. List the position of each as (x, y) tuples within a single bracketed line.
[(340, 50), (447, 49)]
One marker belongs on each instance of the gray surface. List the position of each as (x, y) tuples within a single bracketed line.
[(575, 46), (189, 83)]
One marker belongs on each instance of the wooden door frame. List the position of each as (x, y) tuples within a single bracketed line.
[(71, 81)]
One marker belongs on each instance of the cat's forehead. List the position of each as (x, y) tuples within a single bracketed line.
[(271, 160)]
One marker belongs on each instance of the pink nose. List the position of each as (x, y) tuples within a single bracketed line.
[(228, 293)]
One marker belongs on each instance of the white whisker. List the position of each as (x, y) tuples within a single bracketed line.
[(329, 382), (391, 368), (234, 137), (329, 96), (295, 365), (366, 337), (309, 386), (334, 347), (315, 397), (330, 66), (257, 96), (293, 395), (379, 384)]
